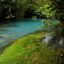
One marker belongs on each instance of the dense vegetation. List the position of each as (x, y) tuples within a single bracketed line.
[(40, 8), (16, 9), (58, 7)]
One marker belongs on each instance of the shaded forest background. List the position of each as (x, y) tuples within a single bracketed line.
[(17, 9)]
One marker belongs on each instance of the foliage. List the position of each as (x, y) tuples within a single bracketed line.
[(15, 8), (51, 8), (58, 6), (18, 7), (49, 25), (8, 9), (42, 7)]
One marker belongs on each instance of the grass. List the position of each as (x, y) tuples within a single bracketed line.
[(29, 50)]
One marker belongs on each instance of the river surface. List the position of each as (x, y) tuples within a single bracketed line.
[(20, 28)]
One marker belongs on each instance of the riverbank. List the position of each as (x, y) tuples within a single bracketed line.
[(29, 50), (19, 28)]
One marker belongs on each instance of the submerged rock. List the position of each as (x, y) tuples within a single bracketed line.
[(1, 37), (47, 38)]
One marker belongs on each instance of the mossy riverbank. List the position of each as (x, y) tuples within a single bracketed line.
[(29, 50)]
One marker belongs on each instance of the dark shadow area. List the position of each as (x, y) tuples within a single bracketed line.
[(29, 13), (7, 16)]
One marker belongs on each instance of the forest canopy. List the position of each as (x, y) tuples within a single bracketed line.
[(40, 8)]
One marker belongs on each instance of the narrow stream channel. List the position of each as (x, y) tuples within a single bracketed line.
[(9, 32)]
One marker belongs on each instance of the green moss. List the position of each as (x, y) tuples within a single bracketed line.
[(28, 50)]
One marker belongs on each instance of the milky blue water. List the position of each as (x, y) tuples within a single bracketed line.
[(19, 28)]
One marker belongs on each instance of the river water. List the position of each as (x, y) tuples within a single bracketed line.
[(20, 28)]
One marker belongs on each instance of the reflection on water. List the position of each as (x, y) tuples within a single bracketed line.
[(18, 29)]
